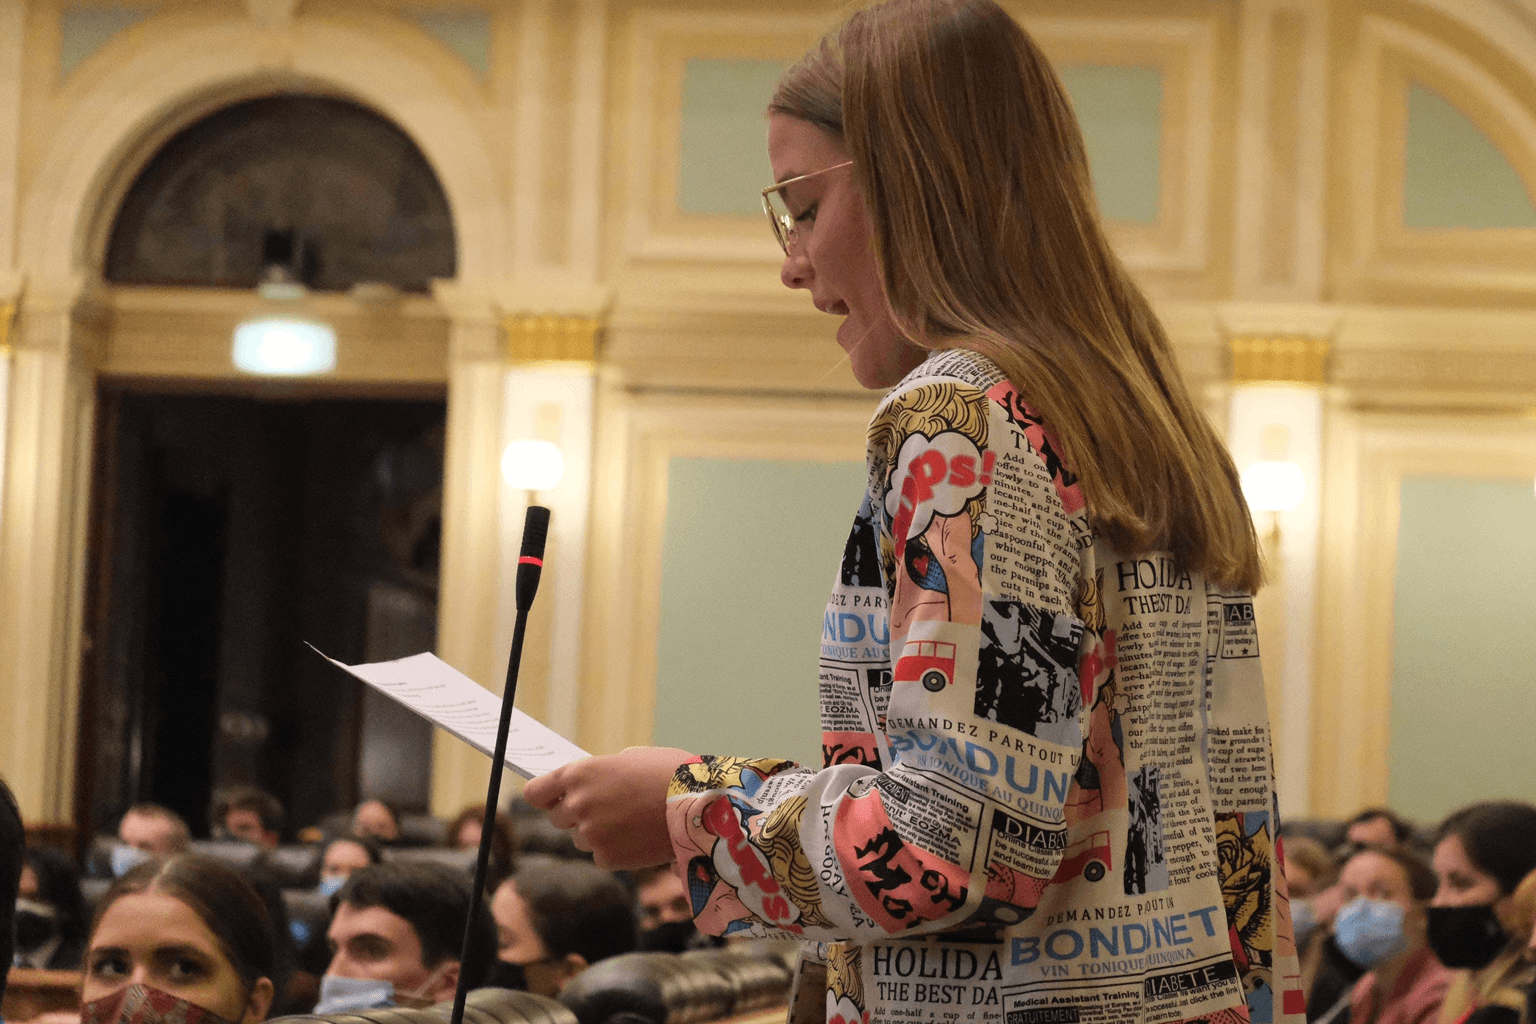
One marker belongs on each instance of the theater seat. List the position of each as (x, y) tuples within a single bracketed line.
[(93, 889), (458, 860), (230, 851), (484, 1006)]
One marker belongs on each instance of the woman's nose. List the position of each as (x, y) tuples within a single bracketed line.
[(796, 271)]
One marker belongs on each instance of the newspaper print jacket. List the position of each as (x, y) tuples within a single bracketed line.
[(1047, 793)]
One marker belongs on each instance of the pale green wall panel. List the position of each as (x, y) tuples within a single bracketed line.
[(464, 30), (1120, 111), (1455, 177), (724, 166), (751, 550), (1464, 656), (84, 30)]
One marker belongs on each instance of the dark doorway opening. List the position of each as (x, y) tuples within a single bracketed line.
[(226, 532)]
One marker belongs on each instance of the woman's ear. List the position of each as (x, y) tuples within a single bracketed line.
[(260, 1001), (569, 966)]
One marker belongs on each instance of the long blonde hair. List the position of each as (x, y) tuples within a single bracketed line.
[(972, 168)]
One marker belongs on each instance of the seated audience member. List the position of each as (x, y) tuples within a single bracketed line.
[(1482, 854), (536, 835), (12, 836), (147, 831), (1310, 871), (397, 932), (185, 939), (1309, 867), (51, 919), (554, 917), (250, 815), (344, 855), (1378, 827), (1381, 928), (666, 914), (377, 820), (1311, 874), (464, 834)]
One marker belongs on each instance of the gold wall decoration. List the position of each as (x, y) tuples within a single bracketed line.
[(7, 318), (1288, 360), (552, 339)]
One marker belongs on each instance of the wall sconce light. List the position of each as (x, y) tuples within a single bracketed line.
[(1273, 486), (530, 465), (279, 340)]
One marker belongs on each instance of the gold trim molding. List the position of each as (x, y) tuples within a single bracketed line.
[(7, 319), (552, 339), (1284, 359)]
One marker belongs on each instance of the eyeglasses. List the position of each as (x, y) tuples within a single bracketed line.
[(783, 222)]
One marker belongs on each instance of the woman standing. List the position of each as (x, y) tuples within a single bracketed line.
[(1483, 853), (1047, 795)]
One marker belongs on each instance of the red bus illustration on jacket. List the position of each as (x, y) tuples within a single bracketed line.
[(931, 662), (1088, 857)]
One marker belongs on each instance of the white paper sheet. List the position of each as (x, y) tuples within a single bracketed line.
[(451, 700)]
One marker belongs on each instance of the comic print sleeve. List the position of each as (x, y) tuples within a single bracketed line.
[(953, 716)]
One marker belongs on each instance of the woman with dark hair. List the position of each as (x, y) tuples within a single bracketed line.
[(1483, 853), (342, 855), (556, 917), (464, 834), (51, 919), (180, 941), (1048, 755)]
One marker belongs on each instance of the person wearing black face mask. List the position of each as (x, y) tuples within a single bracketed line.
[(51, 919), (666, 913), (1482, 854), (554, 918)]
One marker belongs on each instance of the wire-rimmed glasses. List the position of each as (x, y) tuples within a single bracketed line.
[(784, 227)]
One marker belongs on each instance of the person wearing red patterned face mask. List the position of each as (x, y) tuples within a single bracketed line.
[(185, 940)]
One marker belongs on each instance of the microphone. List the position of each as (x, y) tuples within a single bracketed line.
[(530, 565), (530, 561)]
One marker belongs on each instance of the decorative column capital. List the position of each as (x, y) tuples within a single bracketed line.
[(7, 319), (1284, 359), (552, 339)]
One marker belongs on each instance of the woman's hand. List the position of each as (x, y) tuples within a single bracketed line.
[(615, 806)]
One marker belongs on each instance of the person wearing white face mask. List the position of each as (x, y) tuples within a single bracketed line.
[(1381, 928)]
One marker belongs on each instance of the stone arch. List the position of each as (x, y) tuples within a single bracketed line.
[(186, 72)]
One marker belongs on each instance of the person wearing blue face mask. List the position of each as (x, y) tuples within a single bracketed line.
[(1381, 928), (341, 857), (148, 831), (397, 932)]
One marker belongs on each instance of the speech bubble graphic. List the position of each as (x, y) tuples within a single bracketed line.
[(934, 476)]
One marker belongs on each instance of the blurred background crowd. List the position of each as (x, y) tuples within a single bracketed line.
[(1396, 921), (359, 911)]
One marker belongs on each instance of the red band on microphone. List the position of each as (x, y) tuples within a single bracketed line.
[(530, 560)]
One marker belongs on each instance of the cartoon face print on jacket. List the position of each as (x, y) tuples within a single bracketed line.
[(936, 468), (727, 870)]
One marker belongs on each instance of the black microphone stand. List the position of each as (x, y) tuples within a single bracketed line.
[(530, 563)]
